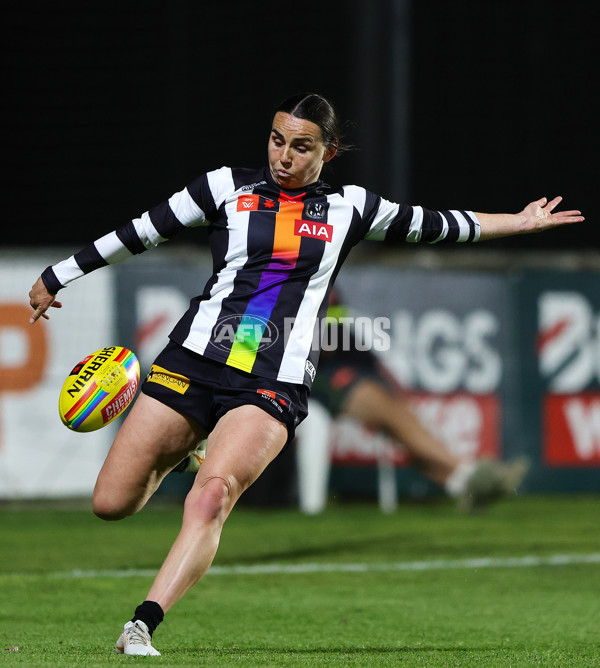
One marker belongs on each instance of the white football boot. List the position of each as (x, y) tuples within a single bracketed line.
[(136, 640), (196, 457), (193, 462)]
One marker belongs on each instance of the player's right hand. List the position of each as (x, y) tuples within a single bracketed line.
[(41, 300)]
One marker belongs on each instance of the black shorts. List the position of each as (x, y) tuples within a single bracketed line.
[(204, 390), (340, 371)]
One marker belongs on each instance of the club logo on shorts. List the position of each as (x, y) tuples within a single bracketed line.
[(174, 381), (276, 399)]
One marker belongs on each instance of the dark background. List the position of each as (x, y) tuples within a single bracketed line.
[(111, 107)]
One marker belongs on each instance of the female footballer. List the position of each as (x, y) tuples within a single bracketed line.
[(278, 236)]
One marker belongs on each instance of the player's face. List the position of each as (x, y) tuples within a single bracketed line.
[(296, 151)]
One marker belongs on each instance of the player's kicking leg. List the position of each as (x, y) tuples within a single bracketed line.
[(153, 439)]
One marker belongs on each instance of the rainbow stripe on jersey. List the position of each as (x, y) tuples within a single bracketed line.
[(286, 248)]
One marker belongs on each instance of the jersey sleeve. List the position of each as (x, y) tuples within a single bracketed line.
[(193, 206), (387, 221)]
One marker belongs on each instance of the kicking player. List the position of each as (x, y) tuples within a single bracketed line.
[(279, 235)]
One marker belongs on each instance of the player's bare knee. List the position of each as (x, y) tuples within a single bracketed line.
[(106, 508), (110, 514), (208, 501)]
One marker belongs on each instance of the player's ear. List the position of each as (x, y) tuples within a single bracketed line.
[(330, 151)]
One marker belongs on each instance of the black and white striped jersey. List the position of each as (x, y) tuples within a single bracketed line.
[(276, 254)]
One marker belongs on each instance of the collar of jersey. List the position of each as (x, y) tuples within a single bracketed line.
[(293, 193)]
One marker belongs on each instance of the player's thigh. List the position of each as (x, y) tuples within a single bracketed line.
[(152, 439), (242, 444)]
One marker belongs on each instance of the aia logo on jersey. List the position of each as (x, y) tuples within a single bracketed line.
[(305, 228), (256, 203)]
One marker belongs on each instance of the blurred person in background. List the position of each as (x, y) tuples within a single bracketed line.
[(279, 235), (353, 382)]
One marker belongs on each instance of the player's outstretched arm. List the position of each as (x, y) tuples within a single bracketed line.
[(41, 300), (535, 217)]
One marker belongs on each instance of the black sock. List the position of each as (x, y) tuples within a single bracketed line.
[(150, 613)]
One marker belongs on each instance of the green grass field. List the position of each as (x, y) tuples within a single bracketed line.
[(352, 587)]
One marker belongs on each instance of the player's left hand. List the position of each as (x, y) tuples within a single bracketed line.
[(539, 215)]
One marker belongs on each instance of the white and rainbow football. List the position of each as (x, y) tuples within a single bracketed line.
[(99, 389)]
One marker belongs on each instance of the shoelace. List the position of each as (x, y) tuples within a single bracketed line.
[(137, 635)]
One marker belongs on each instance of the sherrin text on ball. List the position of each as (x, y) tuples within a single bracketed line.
[(99, 389)]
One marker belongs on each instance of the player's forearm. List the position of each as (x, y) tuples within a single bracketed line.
[(496, 225), (537, 216)]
